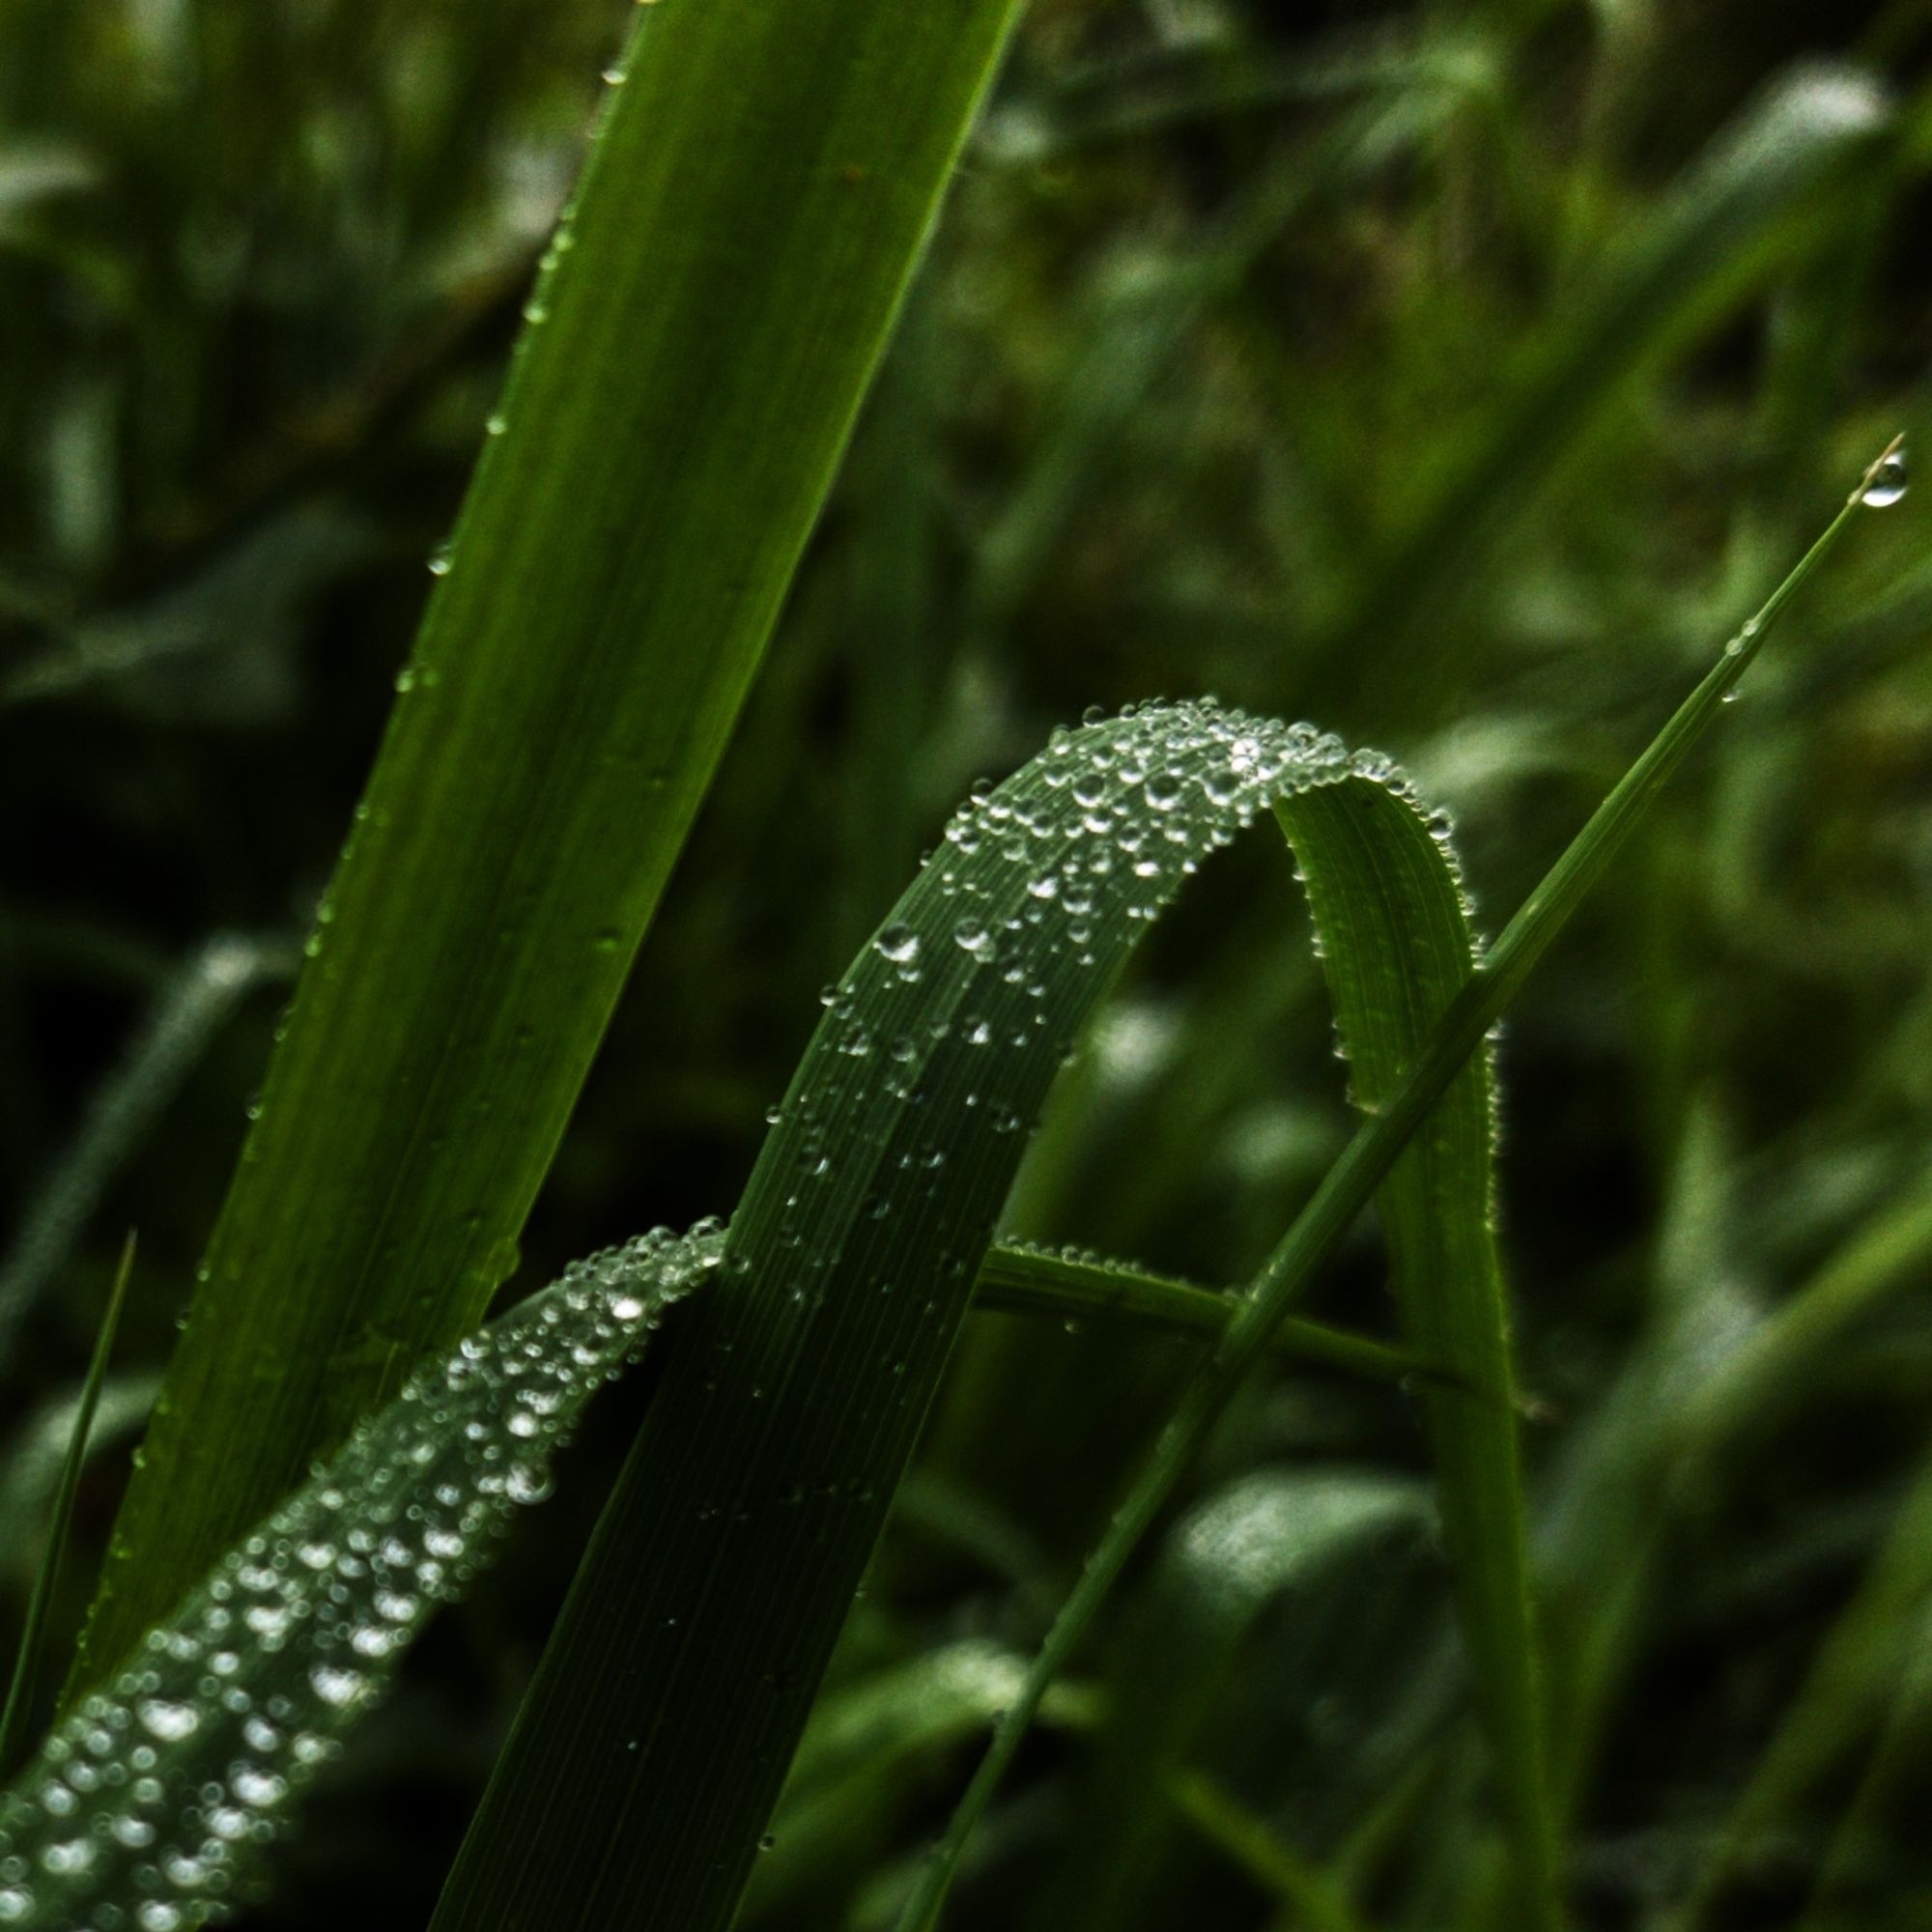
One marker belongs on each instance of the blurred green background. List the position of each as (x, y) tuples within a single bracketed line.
[(1455, 376)]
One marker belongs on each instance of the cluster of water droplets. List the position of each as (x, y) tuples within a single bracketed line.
[(1122, 810), (940, 1044), (1105, 825), (140, 1809)]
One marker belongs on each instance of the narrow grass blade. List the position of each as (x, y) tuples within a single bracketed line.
[(857, 1763), (1040, 1280), (1136, 336), (787, 1416), (1396, 948), (696, 350), (30, 1471), (186, 1014), (17, 1720), (146, 1806), (1347, 1188), (1750, 1386)]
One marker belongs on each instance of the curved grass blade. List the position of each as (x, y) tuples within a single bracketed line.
[(18, 1717), (851, 1772), (1347, 1187), (30, 1473), (754, 204), (145, 1806), (1397, 948), (787, 1419)]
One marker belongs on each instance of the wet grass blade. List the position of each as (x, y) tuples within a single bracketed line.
[(1869, 1658), (1348, 1185), (696, 350), (18, 1718), (1396, 948), (226, 1711), (796, 1393)]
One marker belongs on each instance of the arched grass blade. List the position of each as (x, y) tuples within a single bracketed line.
[(750, 1505), (1347, 1187), (1396, 948)]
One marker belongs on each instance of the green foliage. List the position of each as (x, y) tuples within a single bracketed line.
[(1455, 379), (646, 485)]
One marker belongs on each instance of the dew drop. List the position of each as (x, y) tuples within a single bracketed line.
[(169, 1722), (897, 943), (335, 1685), (1886, 484)]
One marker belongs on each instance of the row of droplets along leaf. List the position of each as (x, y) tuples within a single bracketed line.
[(939, 1044), (140, 1810)]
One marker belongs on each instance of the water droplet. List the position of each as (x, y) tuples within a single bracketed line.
[(169, 1722), (897, 943), (1886, 484)]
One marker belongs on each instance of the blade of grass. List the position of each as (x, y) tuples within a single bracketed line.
[(855, 1764), (787, 1419), (1135, 337), (1765, 1370), (713, 307), (1036, 1281), (1396, 948), (1347, 1188), (145, 1806), (30, 1471), (17, 1720), (1270, 1536), (1860, 1668)]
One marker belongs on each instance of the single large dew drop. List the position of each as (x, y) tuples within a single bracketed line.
[(1886, 484)]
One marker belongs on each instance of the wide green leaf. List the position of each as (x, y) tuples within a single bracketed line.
[(696, 350)]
